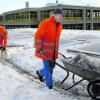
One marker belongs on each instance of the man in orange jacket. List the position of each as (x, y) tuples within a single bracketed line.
[(47, 44), (3, 38)]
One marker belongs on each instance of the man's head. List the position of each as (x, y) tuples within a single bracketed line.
[(58, 15)]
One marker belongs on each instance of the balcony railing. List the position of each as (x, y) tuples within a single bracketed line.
[(72, 18), (21, 20)]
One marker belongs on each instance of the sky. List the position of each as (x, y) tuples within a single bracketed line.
[(8, 5)]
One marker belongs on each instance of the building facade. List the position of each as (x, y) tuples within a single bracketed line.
[(76, 17)]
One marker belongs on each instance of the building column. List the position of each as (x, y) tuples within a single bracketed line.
[(3, 20), (29, 16), (39, 16), (91, 19), (84, 19)]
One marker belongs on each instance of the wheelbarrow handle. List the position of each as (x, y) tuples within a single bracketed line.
[(62, 55), (57, 64), (53, 61)]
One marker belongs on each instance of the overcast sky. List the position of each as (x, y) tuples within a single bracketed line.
[(8, 5)]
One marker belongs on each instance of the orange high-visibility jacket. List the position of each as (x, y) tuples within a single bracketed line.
[(47, 38), (3, 37)]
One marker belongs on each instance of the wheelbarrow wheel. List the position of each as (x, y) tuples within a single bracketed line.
[(93, 88)]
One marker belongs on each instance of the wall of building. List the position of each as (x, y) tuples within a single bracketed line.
[(75, 17)]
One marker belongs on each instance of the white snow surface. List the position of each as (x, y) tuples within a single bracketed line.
[(15, 86)]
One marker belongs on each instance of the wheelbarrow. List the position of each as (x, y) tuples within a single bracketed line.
[(92, 77)]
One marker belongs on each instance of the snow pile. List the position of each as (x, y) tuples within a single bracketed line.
[(21, 36), (85, 62), (15, 86), (93, 47), (79, 36), (24, 58)]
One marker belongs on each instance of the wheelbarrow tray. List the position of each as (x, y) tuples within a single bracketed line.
[(80, 71)]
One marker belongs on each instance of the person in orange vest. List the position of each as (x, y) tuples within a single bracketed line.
[(3, 38), (47, 44)]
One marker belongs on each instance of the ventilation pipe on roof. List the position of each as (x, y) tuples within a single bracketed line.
[(27, 4), (57, 1)]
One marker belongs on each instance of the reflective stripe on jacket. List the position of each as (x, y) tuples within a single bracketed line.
[(47, 38)]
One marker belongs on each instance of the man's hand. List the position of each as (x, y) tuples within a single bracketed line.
[(40, 51), (3, 48)]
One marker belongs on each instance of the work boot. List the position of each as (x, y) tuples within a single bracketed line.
[(50, 87), (40, 77)]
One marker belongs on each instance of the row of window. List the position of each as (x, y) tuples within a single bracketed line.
[(70, 14), (22, 16), (96, 26)]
